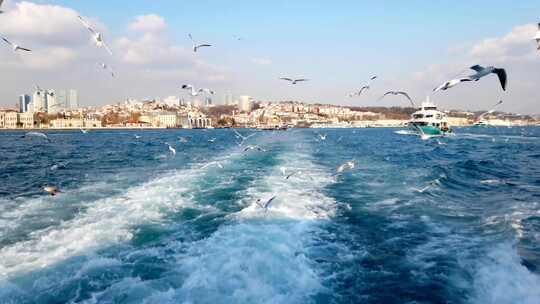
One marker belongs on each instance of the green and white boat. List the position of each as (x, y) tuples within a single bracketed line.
[(429, 121)]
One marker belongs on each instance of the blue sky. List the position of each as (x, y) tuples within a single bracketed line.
[(338, 44)]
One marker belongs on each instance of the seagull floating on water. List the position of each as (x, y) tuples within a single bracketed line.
[(137, 136), (98, 38), (212, 140), (363, 88), (322, 137), (84, 131), (196, 46), (266, 204), (195, 92), (395, 93), (484, 71), (15, 47), (52, 191), (37, 135), (292, 80)]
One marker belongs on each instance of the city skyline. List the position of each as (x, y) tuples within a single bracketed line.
[(409, 50)]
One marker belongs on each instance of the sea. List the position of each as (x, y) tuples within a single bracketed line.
[(447, 220)]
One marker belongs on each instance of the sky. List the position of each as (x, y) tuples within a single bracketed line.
[(412, 46)]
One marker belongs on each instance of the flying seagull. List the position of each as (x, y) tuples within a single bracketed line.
[(106, 67), (399, 93), (98, 38), (322, 137), (451, 83), (266, 204), (53, 191), (36, 134), (481, 117), (84, 131), (252, 147), (363, 88), (293, 81), (194, 92), (173, 150), (16, 47), (484, 71), (346, 166), (537, 37), (216, 163), (196, 46)]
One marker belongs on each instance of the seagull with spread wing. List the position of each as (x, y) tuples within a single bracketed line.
[(266, 204), (196, 46), (363, 88), (96, 36), (484, 71), (293, 80), (450, 84), (194, 92), (395, 93), (15, 47)]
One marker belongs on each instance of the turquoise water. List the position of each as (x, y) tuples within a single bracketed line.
[(450, 220)]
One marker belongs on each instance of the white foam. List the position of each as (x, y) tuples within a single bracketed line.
[(501, 278)]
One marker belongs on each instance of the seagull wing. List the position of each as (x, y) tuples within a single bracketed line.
[(373, 78), (477, 68), (87, 25), (7, 41), (385, 94), (24, 49), (501, 73), (297, 80), (406, 95), (191, 38), (267, 204), (187, 86), (107, 48), (203, 45), (285, 78)]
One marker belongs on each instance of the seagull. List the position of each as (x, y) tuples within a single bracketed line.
[(16, 47), (253, 147), (364, 88), (322, 137), (173, 150), (218, 164), (451, 83), (484, 71), (137, 136), (346, 166), (197, 46), (537, 37), (265, 205), (36, 134), (481, 117), (1, 12), (53, 191), (108, 68), (399, 93), (84, 131), (98, 38), (293, 81), (195, 92), (212, 140)]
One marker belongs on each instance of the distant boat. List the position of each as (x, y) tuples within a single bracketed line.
[(429, 121)]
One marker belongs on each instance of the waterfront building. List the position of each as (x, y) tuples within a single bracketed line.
[(39, 101), (26, 120), (244, 104), (24, 103), (11, 119), (72, 101), (52, 105)]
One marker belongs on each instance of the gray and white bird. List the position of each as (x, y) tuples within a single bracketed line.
[(265, 205), (346, 166), (15, 47), (196, 46), (395, 93), (537, 37), (450, 84), (96, 36), (194, 92), (173, 150), (107, 68), (363, 88), (254, 147), (51, 190), (484, 71), (1, 6), (36, 135), (293, 80)]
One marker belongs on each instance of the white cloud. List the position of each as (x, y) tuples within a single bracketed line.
[(148, 23), (261, 61)]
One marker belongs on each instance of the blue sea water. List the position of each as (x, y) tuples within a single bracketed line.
[(454, 220)]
